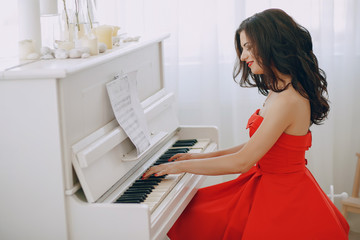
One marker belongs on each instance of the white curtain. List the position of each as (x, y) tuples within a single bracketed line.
[(199, 58)]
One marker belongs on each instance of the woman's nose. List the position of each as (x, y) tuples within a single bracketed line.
[(243, 56)]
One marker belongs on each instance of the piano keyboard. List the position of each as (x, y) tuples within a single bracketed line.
[(153, 190)]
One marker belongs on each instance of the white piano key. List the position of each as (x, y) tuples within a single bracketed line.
[(195, 150), (201, 143), (161, 190)]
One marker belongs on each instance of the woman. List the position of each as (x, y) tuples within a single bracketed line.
[(275, 197)]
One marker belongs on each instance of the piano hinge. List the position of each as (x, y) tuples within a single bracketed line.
[(71, 191)]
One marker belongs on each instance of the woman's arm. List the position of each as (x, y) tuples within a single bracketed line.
[(279, 116), (187, 156)]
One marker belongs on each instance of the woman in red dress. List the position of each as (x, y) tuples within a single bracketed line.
[(275, 196)]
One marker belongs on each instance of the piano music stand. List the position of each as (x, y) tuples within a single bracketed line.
[(352, 204)]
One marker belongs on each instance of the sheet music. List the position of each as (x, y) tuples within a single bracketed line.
[(128, 111)]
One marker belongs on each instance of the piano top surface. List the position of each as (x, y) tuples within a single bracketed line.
[(13, 68)]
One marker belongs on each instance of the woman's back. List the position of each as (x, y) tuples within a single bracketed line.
[(298, 106)]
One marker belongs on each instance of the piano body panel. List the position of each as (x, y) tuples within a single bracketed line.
[(107, 221), (32, 204)]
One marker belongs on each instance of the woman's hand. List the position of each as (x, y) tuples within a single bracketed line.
[(173, 167), (163, 169), (182, 156)]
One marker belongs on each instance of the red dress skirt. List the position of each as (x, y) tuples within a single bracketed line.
[(276, 199)]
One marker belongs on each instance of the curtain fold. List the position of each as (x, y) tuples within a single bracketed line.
[(199, 59)]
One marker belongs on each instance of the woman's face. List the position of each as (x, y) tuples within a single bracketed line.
[(247, 55)]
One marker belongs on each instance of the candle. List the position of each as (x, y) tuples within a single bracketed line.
[(25, 48), (92, 43), (29, 22), (104, 35)]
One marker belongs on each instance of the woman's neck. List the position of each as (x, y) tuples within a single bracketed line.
[(283, 80)]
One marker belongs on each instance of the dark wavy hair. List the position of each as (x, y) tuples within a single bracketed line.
[(279, 42)]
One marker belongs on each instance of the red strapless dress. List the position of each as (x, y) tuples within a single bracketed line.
[(277, 199)]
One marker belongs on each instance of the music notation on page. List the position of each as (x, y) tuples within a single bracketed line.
[(128, 111)]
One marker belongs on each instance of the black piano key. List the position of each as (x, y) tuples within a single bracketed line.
[(136, 193), (149, 180), (158, 179), (140, 197), (145, 181), (183, 144), (128, 191), (139, 190), (166, 156), (134, 198), (146, 184), (142, 187), (128, 201), (162, 160), (186, 140), (154, 177), (177, 150)]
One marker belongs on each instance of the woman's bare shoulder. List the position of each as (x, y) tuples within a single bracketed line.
[(296, 108)]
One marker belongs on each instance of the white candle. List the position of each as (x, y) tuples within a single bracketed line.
[(29, 22), (25, 48), (104, 35), (92, 43)]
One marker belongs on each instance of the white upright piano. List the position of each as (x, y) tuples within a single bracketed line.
[(65, 163)]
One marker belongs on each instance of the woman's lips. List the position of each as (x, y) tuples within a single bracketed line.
[(250, 63)]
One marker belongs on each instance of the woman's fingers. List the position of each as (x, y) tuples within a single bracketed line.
[(148, 173), (162, 169), (176, 156), (180, 157), (158, 171)]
